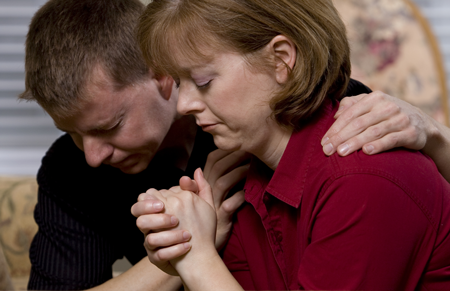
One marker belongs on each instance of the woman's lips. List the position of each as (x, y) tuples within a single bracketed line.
[(208, 127)]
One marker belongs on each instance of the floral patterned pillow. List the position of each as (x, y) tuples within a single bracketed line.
[(394, 50)]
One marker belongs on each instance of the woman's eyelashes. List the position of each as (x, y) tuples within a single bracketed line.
[(203, 85), (199, 85)]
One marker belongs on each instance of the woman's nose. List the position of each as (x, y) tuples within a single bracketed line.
[(189, 101)]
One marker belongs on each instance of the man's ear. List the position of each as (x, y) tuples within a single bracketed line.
[(285, 53), (165, 86)]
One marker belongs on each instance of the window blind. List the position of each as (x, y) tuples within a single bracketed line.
[(26, 131)]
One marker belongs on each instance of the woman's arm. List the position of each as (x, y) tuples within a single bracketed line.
[(142, 276), (201, 268), (378, 122), (223, 170)]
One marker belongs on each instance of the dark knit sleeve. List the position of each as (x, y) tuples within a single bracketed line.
[(65, 254)]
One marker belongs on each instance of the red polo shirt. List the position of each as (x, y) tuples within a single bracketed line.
[(361, 222)]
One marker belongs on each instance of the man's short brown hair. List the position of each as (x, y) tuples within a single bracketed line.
[(172, 28), (67, 39)]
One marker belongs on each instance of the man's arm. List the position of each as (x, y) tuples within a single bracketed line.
[(378, 122), (64, 251)]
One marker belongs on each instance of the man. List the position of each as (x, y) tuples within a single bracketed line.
[(83, 66)]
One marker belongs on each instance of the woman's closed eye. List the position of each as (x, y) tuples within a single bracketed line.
[(203, 85)]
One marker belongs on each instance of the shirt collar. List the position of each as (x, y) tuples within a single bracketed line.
[(287, 183)]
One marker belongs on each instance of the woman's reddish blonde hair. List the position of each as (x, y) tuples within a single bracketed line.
[(170, 30)]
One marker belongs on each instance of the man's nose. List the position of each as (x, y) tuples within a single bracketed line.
[(96, 150)]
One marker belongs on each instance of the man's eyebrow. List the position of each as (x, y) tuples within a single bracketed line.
[(108, 125)]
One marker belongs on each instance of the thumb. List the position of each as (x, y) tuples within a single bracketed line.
[(187, 184), (204, 189)]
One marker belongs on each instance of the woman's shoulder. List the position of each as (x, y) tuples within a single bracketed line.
[(403, 172)]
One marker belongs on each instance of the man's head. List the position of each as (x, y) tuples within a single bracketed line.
[(84, 67), (67, 39)]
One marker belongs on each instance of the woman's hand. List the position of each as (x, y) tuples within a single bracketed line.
[(197, 216), (223, 170), (377, 122)]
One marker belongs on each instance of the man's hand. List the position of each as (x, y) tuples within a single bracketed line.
[(223, 171), (376, 122)]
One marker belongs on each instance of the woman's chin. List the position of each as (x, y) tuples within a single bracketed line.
[(226, 144)]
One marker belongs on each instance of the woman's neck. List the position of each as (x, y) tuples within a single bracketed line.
[(274, 147)]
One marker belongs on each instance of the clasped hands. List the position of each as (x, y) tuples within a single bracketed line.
[(189, 222)]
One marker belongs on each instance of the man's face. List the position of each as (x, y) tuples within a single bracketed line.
[(124, 128)]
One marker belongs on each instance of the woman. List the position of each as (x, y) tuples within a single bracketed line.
[(263, 76)]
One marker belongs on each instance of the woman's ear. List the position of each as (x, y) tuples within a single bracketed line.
[(285, 53), (165, 86)]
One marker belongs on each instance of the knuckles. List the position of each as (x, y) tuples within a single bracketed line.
[(376, 132), (221, 185), (376, 96), (214, 156)]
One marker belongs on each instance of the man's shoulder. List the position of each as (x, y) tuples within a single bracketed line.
[(63, 161)]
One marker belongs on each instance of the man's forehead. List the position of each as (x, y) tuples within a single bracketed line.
[(97, 112)]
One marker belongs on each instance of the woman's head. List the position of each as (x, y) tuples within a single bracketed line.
[(172, 30)]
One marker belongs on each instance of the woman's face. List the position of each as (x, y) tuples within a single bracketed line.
[(230, 100)]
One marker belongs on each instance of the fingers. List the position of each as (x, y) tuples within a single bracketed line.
[(384, 135), (225, 183), (213, 157), (205, 191), (348, 102), (365, 129), (162, 255), (221, 162), (152, 222), (187, 184), (230, 205), (147, 204), (224, 217), (334, 136), (166, 238), (366, 121)]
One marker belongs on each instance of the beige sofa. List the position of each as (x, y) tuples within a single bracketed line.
[(18, 197)]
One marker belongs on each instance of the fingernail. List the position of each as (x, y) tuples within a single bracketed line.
[(369, 149), (324, 140), (186, 235), (343, 149), (187, 245), (158, 205), (328, 149), (173, 220)]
